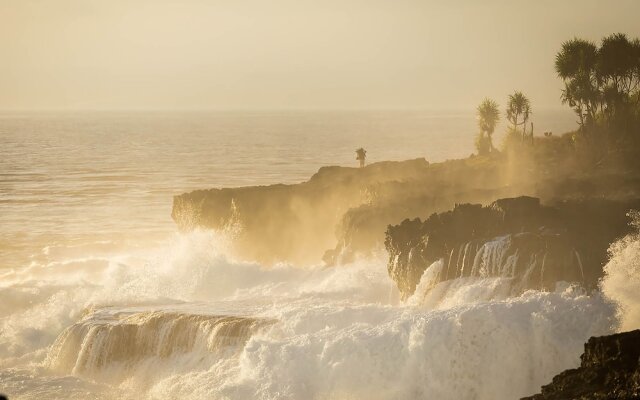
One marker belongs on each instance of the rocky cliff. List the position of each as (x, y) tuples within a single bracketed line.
[(609, 369), (549, 171), (341, 212), (517, 238), (295, 223), (361, 229)]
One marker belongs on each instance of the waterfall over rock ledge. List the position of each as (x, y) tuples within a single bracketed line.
[(107, 341), (516, 238)]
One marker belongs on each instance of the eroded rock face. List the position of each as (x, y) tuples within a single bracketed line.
[(609, 369), (341, 213), (361, 230), (516, 238), (294, 223)]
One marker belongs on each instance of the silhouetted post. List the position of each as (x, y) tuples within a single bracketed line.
[(361, 154)]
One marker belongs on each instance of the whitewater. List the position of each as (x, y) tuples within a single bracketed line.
[(91, 308), (186, 321)]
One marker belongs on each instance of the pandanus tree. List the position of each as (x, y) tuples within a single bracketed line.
[(618, 63), (576, 64), (488, 117), (602, 85), (618, 72), (518, 111), (636, 72), (599, 79)]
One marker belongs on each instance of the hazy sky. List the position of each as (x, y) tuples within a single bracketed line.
[(247, 54)]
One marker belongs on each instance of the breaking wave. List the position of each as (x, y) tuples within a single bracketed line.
[(184, 320), (622, 276)]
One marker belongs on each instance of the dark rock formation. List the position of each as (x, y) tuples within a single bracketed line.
[(516, 238), (609, 369), (439, 188), (552, 175)]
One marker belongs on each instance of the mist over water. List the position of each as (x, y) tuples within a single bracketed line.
[(78, 183), (294, 333), (101, 298), (154, 326)]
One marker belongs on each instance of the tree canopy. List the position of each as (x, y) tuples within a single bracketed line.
[(518, 111), (602, 84), (488, 117)]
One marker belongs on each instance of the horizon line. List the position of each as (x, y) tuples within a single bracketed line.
[(251, 109)]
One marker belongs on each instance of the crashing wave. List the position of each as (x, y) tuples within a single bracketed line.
[(108, 340)]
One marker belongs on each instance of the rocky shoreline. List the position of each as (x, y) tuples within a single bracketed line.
[(517, 238), (341, 213), (295, 223), (609, 369), (534, 219)]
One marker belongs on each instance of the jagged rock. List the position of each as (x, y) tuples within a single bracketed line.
[(516, 238), (361, 229), (347, 210), (293, 223), (609, 369)]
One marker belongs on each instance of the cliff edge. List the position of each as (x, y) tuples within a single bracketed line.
[(535, 245), (294, 223)]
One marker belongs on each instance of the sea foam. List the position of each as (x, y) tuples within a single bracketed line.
[(185, 320)]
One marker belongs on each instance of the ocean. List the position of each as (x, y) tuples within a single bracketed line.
[(70, 180), (101, 297)]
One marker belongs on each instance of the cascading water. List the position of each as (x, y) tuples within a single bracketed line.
[(185, 321), (119, 340), (519, 257), (622, 276)]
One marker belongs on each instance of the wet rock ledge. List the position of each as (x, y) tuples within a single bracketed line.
[(609, 369), (518, 238)]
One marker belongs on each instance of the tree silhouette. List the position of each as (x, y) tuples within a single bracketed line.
[(576, 64), (361, 155), (518, 106), (617, 63), (488, 117), (602, 84)]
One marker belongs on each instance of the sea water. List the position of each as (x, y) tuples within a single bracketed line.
[(100, 297)]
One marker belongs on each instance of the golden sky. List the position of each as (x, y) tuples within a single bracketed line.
[(272, 54)]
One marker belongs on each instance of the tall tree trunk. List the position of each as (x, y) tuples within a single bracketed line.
[(581, 116)]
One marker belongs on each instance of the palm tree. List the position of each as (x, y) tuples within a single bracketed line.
[(577, 64), (517, 106), (361, 155), (636, 73), (617, 62), (569, 96), (488, 117), (577, 57)]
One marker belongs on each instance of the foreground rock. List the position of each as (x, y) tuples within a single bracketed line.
[(609, 369), (517, 238)]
